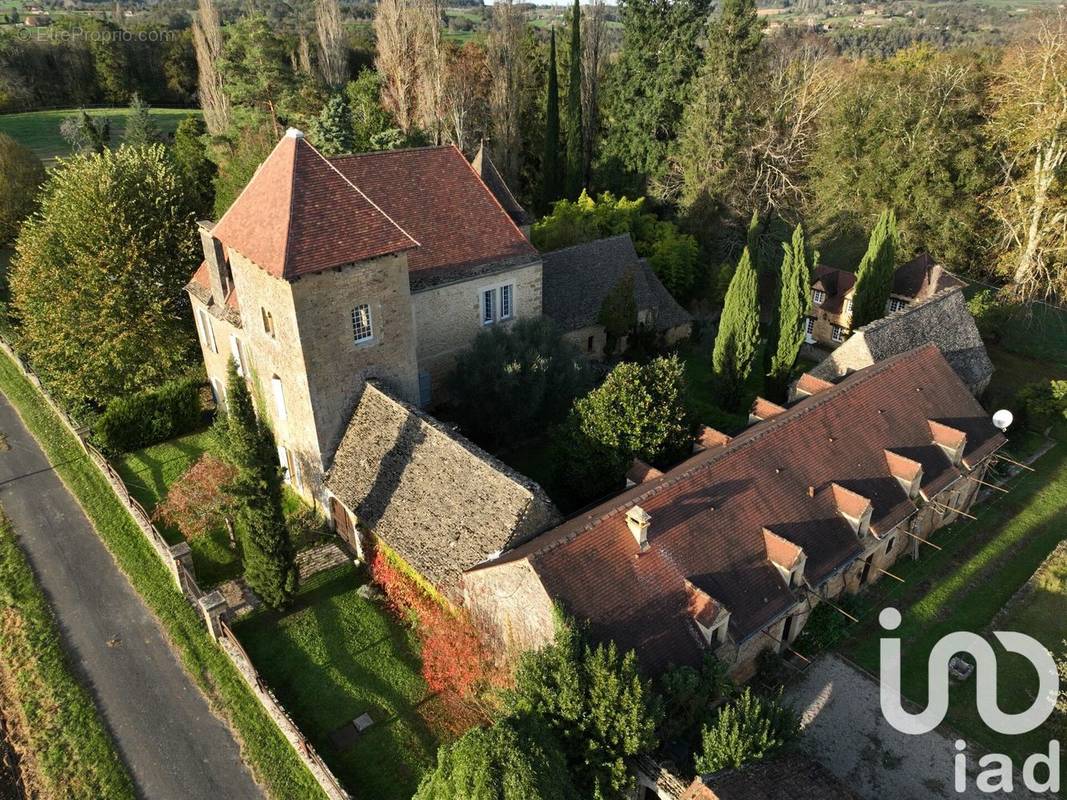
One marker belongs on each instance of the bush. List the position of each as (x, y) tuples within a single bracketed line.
[(687, 695), (1041, 405), (522, 378), (747, 730), (147, 418), (991, 313)]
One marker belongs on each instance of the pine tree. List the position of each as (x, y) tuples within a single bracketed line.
[(874, 278), (140, 127), (575, 132), (332, 132), (552, 170), (269, 566), (198, 171), (737, 341), (792, 308)]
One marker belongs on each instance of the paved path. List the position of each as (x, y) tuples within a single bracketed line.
[(175, 747), (844, 730)]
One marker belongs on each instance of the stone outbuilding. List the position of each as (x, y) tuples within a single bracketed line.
[(577, 280), (440, 502), (942, 319)]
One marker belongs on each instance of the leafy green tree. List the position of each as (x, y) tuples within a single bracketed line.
[(97, 276), (618, 312), (907, 133), (197, 170), (597, 704), (687, 695), (371, 123), (638, 412), (518, 378), (737, 342), (551, 168), (575, 172), (649, 85), (255, 65), (248, 444), (238, 158), (874, 278), (516, 758), (718, 118), (746, 730), (794, 298), (140, 127), (21, 175), (332, 130)]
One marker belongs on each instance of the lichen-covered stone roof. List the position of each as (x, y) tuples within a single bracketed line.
[(943, 319), (443, 504)]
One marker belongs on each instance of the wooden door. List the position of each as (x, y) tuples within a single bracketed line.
[(342, 523)]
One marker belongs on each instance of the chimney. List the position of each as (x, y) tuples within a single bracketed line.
[(638, 520), (218, 270)]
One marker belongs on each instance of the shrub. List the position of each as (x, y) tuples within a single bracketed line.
[(991, 313), (199, 502), (522, 378), (687, 695), (1040, 405), (150, 417), (747, 729)]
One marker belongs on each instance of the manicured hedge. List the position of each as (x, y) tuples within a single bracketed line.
[(148, 418)]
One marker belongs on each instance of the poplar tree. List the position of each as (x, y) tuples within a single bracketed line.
[(874, 278), (792, 308), (737, 341), (575, 136), (269, 561), (552, 179)]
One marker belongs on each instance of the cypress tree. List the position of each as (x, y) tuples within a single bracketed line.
[(269, 566), (792, 308), (737, 341), (575, 135), (552, 178), (140, 127), (874, 278)]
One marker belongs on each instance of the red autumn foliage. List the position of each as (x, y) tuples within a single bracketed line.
[(198, 501), (455, 658)]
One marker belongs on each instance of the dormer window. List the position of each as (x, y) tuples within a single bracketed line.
[(854, 508), (818, 296), (951, 441), (788, 558), (712, 619), (908, 472)]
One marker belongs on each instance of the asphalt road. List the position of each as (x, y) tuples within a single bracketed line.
[(175, 748)]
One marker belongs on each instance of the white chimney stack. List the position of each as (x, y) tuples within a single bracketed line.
[(638, 520)]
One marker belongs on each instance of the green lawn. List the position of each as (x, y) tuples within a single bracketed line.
[(39, 130), (150, 472), (263, 747), (962, 588), (336, 656), (71, 753)]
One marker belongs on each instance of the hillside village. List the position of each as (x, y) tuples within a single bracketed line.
[(403, 401)]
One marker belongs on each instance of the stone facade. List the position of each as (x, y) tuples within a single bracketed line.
[(449, 316), (511, 603)]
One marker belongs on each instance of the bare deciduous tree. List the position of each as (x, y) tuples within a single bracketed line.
[(397, 62), (207, 42), (1029, 126), (505, 59), (333, 52), (466, 94), (430, 67), (594, 63)]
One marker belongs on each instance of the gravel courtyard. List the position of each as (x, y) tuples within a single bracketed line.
[(845, 731)]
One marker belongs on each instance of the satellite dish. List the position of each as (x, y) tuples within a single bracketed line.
[(1003, 419)]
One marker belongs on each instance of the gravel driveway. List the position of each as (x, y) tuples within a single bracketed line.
[(845, 731)]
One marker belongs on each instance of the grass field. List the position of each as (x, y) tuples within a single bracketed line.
[(149, 474), (68, 752), (271, 758), (39, 130), (335, 656)]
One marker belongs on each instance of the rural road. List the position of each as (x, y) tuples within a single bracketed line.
[(175, 748)]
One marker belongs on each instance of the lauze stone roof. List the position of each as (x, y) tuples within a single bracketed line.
[(439, 501), (303, 213), (578, 278), (795, 476)]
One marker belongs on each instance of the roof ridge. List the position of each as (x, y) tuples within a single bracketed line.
[(366, 153), (611, 238), (908, 309), (489, 191), (248, 185), (364, 195), (292, 196)]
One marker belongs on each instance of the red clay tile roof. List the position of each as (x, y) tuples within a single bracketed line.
[(709, 438), (809, 384), (765, 409), (708, 514), (300, 215), (848, 502), (437, 197), (901, 467), (781, 551), (640, 472)]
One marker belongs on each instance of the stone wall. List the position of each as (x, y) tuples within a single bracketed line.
[(448, 317), (509, 602)]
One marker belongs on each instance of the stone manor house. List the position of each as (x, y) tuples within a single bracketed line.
[(344, 288)]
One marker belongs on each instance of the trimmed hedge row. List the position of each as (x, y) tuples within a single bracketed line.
[(148, 418)]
